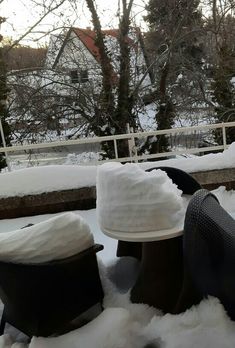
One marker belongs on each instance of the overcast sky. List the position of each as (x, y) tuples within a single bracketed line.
[(21, 15)]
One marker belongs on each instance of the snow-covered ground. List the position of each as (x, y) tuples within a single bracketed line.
[(123, 324)]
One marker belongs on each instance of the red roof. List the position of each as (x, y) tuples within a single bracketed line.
[(87, 36)]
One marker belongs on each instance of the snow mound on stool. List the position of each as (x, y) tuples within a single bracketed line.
[(56, 238), (132, 200)]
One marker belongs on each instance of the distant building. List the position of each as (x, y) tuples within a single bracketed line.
[(78, 55), (71, 78)]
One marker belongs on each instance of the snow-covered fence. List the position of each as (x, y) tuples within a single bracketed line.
[(134, 139)]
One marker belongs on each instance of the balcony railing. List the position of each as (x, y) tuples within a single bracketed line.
[(186, 134)]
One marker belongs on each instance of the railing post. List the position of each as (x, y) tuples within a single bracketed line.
[(4, 144), (129, 141), (224, 137), (115, 148), (135, 151)]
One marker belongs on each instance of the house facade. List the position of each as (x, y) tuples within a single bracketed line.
[(70, 81), (79, 56)]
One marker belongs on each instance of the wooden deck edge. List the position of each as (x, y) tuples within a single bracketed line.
[(48, 203), (211, 179), (85, 198)]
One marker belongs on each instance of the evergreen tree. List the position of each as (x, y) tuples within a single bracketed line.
[(222, 28), (174, 31), (223, 90), (3, 107)]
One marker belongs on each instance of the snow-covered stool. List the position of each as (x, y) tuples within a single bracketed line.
[(48, 274), (184, 182), (148, 208)]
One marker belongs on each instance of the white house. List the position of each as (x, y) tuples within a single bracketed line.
[(79, 57), (70, 80)]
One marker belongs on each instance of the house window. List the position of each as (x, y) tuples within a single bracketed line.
[(82, 100), (83, 75), (140, 69), (74, 76)]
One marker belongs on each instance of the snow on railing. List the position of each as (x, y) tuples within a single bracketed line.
[(131, 138)]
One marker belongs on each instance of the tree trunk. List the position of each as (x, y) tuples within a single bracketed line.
[(165, 114), (107, 106), (124, 113), (3, 108)]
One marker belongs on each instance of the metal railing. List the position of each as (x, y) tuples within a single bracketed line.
[(132, 139)]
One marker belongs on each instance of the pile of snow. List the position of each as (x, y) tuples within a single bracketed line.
[(38, 180), (84, 157), (225, 159), (137, 326), (57, 238), (130, 199), (226, 198), (111, 327), (206, 325), (107, 255)]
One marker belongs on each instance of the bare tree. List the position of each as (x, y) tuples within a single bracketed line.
[(115, 113), (94, 107)]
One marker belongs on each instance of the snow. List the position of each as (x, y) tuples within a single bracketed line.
[(107, 256), (47, 240), (122, 324), (205, 325), (226, 198), (130, 199), (38, 180), (110, 326), (225, 159), (84, 157)]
